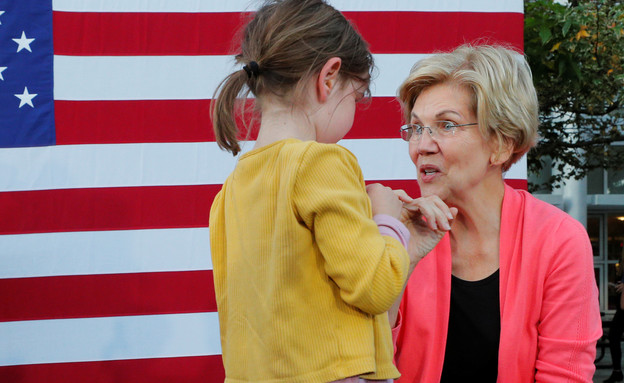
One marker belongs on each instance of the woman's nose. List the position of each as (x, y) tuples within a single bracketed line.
[(426, 143)]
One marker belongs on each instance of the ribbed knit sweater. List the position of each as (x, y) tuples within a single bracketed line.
[(302, 275)]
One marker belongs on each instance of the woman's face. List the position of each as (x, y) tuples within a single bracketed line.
[(449, 166)]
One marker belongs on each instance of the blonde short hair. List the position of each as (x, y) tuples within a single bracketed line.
[(504, 98)]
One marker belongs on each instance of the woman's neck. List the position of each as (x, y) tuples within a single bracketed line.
[(476, 230)]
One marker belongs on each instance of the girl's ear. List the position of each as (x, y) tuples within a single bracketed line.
[(327, 78)]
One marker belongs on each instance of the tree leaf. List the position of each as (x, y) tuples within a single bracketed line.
[(579, 81), (566, 27), (545, 34)]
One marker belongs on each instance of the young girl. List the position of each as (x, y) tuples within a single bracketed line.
[(302, 275)]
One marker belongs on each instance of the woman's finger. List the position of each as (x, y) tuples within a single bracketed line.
[(436, 217), (403, 196), (441, 205), (434, 214)]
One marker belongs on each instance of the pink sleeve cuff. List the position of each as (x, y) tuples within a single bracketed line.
[(392, 227)]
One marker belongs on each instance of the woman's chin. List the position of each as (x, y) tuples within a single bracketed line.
[(430, 190)]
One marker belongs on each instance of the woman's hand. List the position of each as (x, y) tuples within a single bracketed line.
[(427, 219), (384, 201)]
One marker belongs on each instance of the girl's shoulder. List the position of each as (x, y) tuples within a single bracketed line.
[(317, 148), (318, 155)]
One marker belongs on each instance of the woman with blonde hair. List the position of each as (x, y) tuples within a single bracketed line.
[(509, 294)]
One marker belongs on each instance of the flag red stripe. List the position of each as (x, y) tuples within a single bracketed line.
[(153, 207), (151, 34), (83, 296), (124, 208), (117, 122), (518, 184), (427, 32), (130, 34), (412, 189), (208, 369)]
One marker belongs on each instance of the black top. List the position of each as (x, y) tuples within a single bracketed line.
[(473, 332)]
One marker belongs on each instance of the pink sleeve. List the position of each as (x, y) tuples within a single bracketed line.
[(392, 227), (569, 323)]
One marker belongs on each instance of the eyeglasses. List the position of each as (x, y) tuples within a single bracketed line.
[(439, 129)]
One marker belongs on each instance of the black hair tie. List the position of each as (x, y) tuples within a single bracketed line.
[(252, 69)]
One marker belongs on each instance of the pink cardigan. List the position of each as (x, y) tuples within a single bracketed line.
[(550, 317)]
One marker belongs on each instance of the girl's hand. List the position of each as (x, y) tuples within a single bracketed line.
[(384, 201), (427, 219)]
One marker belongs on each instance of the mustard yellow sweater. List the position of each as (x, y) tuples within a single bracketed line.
[(303, 277)]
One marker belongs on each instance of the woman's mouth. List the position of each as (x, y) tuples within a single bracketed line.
[(428, 173)]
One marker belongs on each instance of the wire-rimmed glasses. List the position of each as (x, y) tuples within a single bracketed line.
[(439, 129)]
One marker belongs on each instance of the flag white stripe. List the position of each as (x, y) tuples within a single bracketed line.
[(158, 164), (82, 78), (110, 338), (104, 165), (109, 252), (247, 5)]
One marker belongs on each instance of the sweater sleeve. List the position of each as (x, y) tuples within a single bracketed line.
[(218, 246), (330, 199), (392, 227), (569, 323)]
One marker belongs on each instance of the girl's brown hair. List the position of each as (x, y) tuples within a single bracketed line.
[(284, 45)]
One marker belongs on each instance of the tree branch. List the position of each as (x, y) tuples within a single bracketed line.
[(594, 142), (609, 109)]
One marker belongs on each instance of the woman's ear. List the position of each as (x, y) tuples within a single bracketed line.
[(328, 78), (501, 152)]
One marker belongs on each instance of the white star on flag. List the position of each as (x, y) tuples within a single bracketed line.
[(23, 42), (2, 68), (26, 98), (1, 12)]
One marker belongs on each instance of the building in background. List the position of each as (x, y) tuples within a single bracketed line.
[(598, 202)]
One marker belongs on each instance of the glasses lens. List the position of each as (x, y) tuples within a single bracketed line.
[(445, 128), (406, 133)]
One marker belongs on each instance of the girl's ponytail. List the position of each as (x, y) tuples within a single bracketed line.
[(284, 45), (223, 112)]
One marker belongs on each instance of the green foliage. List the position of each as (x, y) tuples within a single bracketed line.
[(576, 53)]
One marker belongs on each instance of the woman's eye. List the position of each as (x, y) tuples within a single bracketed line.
[(447, 126)]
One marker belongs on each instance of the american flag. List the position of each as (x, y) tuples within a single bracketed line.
[(108, 167)]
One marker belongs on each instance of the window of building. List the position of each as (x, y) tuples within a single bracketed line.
[(615, 181), (599, 181), (606, 181), (596, 181), (606, 233)]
